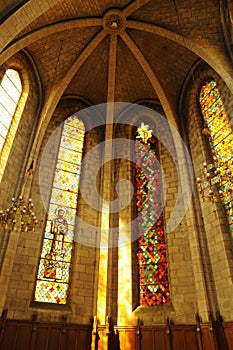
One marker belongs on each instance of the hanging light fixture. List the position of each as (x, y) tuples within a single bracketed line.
[(216, 184), (20, 214), (216, 177)]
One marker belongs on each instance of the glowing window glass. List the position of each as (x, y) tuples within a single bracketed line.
[(10, 92), (54, 267), (221, 140), (152, 261)]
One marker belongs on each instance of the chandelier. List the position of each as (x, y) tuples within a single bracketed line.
[(217, 182), (20, 213)]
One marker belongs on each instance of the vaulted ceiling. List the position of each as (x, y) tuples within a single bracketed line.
[(117, 50)]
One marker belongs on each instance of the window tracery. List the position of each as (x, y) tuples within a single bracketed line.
[(220, 136), (151, 256), (10, 93), (54, 267)]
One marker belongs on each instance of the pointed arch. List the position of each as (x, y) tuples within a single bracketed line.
[(220, 138), (151, 246), (55, 262), (10, 94)]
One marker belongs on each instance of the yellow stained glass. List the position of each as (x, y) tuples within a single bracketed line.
[(69, 167), (70, 214), (66, 180), (60, 197), (10, 92), (54, 267), (221, 140), (70, 156)]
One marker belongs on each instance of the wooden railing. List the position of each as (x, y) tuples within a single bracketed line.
[(34, 335)]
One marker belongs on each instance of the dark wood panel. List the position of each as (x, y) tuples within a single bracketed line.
[(147, 339), (41, 341), (69, 339), (9, 337), (16, 337), (23, 337), (178, 341), (160, 339), (208, 338), (84, 339), (54, 339), (228, 331), (190, 336), (33, 335)]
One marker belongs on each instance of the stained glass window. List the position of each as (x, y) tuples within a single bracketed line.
[(221, 140), (54, 267), (10, 92), (152, 261)]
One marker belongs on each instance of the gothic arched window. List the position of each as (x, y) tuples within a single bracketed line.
[(55, 262), (152, 261), (221, 141), (10, 93)]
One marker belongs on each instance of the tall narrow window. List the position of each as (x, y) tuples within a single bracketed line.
[(221, 140), (54, 267), (152, 261), (10, 92)]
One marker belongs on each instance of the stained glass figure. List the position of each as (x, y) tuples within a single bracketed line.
[(152, 260), (54, 267), (221, 141)]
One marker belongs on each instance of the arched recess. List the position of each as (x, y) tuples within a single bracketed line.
[(85, 250), (67, 106), (26, 114), (128, 273), (208, 228), (11, 93), (58, 90), (12, 185), (53, 278)]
